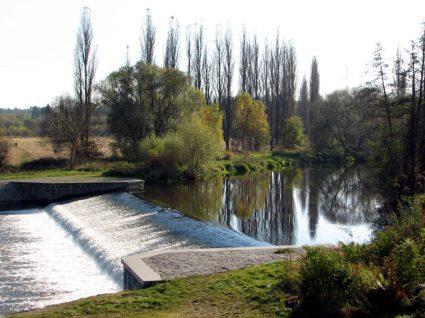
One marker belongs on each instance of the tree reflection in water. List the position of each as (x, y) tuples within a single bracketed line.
[(273, 207)]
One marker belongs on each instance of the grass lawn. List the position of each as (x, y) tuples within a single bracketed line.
[(50, 173), (256, 291)]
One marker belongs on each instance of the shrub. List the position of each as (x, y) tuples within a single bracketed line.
[(4, 151), (406, 261), (241, 168), (44, 163), (150, 149), (293, 133), (326, 281), (124, 169), (199, 143)]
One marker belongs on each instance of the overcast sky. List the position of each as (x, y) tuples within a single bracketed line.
[(38, 37)]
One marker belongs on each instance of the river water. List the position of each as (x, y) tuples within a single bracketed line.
[(73, 249)]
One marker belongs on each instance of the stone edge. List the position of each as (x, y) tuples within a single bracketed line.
[(146, 276)]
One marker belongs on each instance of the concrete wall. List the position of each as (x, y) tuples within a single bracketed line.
[(10, 195), (46, 191)]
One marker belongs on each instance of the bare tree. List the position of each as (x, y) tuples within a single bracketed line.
[(171, 58), (254, 68), (189, 51), (84, 74), (218, 66), (289, 80), (228, 77), (303, 105), (148, 39), (276, 90), (381, 68), (244, 62), (265, 81), (400, 75), (64, 128), (197, 56), (314, 81), (206, 76), (314, 93)]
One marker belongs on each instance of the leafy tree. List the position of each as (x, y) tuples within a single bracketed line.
[(213, 117), (145, 99), (293, 133), (250, 126)]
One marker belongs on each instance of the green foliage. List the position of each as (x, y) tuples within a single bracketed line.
[(293, 133), (146, 100), (249, 123), (200, 143), (326, 281), (409, 265)]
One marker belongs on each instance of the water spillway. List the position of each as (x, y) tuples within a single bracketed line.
[(73, 249), (112, 226)]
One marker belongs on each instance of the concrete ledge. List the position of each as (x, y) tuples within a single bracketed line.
[(144, 269), (47, 190)]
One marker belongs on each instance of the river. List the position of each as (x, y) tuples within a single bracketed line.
[(72, 249)]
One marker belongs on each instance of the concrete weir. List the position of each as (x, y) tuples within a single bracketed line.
[(47, 190), (144, 269)]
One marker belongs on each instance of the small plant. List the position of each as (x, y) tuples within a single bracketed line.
[(326, 281)]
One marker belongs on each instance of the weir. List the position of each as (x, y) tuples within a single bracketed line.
[(42, 191), (112, 226)]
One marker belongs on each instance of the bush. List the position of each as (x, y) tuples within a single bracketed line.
[(183, 152), (199, 143), (124, 169), (44, 163), (293, 133), (4, 151), (241, 168), (326, 281), (406, 262)]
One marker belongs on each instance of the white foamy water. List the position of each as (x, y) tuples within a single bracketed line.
[(72, 250), (41, 264)]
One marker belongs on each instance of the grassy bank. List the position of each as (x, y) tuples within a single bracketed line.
[(251, 292), (232, 163), (50, 173)]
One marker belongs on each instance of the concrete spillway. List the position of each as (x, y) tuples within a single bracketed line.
[(49, 190)]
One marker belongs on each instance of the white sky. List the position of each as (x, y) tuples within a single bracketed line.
[(38, 37)]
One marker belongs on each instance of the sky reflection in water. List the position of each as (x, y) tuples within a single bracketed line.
[(300, 206)]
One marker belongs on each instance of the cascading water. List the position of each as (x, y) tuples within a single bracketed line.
[(72, 250), (112, 226)]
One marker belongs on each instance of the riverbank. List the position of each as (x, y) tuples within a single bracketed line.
[(249, 292), (383, 278), (232, 163)]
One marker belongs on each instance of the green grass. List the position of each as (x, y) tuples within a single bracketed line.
[(240, 164), (251, 292), (58, 172)]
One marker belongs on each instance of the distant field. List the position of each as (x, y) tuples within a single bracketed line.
[(30, 148)]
